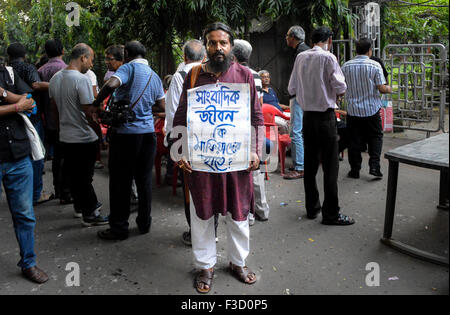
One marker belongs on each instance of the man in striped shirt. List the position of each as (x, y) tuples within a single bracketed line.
[(365, 82)]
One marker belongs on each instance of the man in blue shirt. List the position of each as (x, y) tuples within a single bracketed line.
[(365, 81), (132, 144)]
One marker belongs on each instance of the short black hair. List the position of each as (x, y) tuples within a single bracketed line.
[(363, 45), (215, 27), (321, 34), (53, 48), (116, 51), (16, 50), (80, 50), (135, 49)]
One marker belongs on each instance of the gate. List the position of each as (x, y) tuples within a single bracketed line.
[(419, 81)]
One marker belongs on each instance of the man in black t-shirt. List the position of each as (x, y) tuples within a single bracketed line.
[(29, 74)]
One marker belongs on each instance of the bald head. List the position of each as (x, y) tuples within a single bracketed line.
[(79, 50), (82, 57)]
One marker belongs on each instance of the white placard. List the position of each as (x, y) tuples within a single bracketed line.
[(218, 126)]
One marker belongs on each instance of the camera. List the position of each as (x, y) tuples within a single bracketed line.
[(117, 114)]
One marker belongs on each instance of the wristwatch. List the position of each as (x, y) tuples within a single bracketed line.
[(5, 94)]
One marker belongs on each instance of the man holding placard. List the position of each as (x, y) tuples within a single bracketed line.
[(219, 106)]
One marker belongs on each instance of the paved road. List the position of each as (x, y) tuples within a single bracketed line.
[(291, 254)]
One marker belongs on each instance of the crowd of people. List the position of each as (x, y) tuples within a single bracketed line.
[(66, 109)]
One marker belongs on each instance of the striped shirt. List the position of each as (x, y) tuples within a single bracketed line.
[(363, 75)]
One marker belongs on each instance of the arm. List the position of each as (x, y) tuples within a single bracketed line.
[(384, 89), (160, 106), (22, 104), (54, 109), (292, 87), (40, 86), (106, 90), (336, 77), (94, 90)]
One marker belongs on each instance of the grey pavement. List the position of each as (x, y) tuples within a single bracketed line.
[(291, 254)]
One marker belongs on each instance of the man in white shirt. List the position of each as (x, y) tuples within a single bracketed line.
[(194, 54), (317, 81), (242, 51)]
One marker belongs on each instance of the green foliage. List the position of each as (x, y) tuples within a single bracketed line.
[(32, 23), (416, 24)]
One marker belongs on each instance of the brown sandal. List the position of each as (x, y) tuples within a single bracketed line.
[(205, 276), (242, 273)]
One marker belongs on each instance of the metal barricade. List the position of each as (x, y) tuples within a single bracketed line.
[(419, 80)]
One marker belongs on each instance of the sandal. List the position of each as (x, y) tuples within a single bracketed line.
[(205, 276), (242, 273), (44, 198)]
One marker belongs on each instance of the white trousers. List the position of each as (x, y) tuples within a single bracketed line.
[(204, 240), (261, 206)]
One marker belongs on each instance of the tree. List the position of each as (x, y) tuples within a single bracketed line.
[(418, 24)]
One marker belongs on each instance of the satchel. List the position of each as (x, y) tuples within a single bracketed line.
[(37, 148)]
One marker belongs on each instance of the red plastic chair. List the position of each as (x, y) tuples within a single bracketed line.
[(162, 150), (269, 113)]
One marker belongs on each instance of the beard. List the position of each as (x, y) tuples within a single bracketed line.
[(219, 65)]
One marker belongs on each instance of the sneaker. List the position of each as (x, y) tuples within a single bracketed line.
[(340, 220), (94, 221), (186, 237), (78, 213), (353, 174), (376, 172)]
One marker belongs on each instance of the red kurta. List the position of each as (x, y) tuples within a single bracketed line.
[(226, 192)]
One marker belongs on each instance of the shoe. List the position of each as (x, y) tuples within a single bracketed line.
[(111, 236), (341, 220), (259, 218), (313, 215), (294, 175), (353, 174), (94, 221), (77, 213), (35, 274), (144, 230), (99, 165), (376, 172), (186, 237)]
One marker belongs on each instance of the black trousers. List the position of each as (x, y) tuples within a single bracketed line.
[(79, 163), (130, 156), (321, 146), (360, 128), (60, 178)]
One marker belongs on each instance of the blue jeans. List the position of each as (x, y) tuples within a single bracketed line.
[(17, 178), (297, 136)]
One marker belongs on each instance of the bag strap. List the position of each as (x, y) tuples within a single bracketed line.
[(194, 74), (137, 101)]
